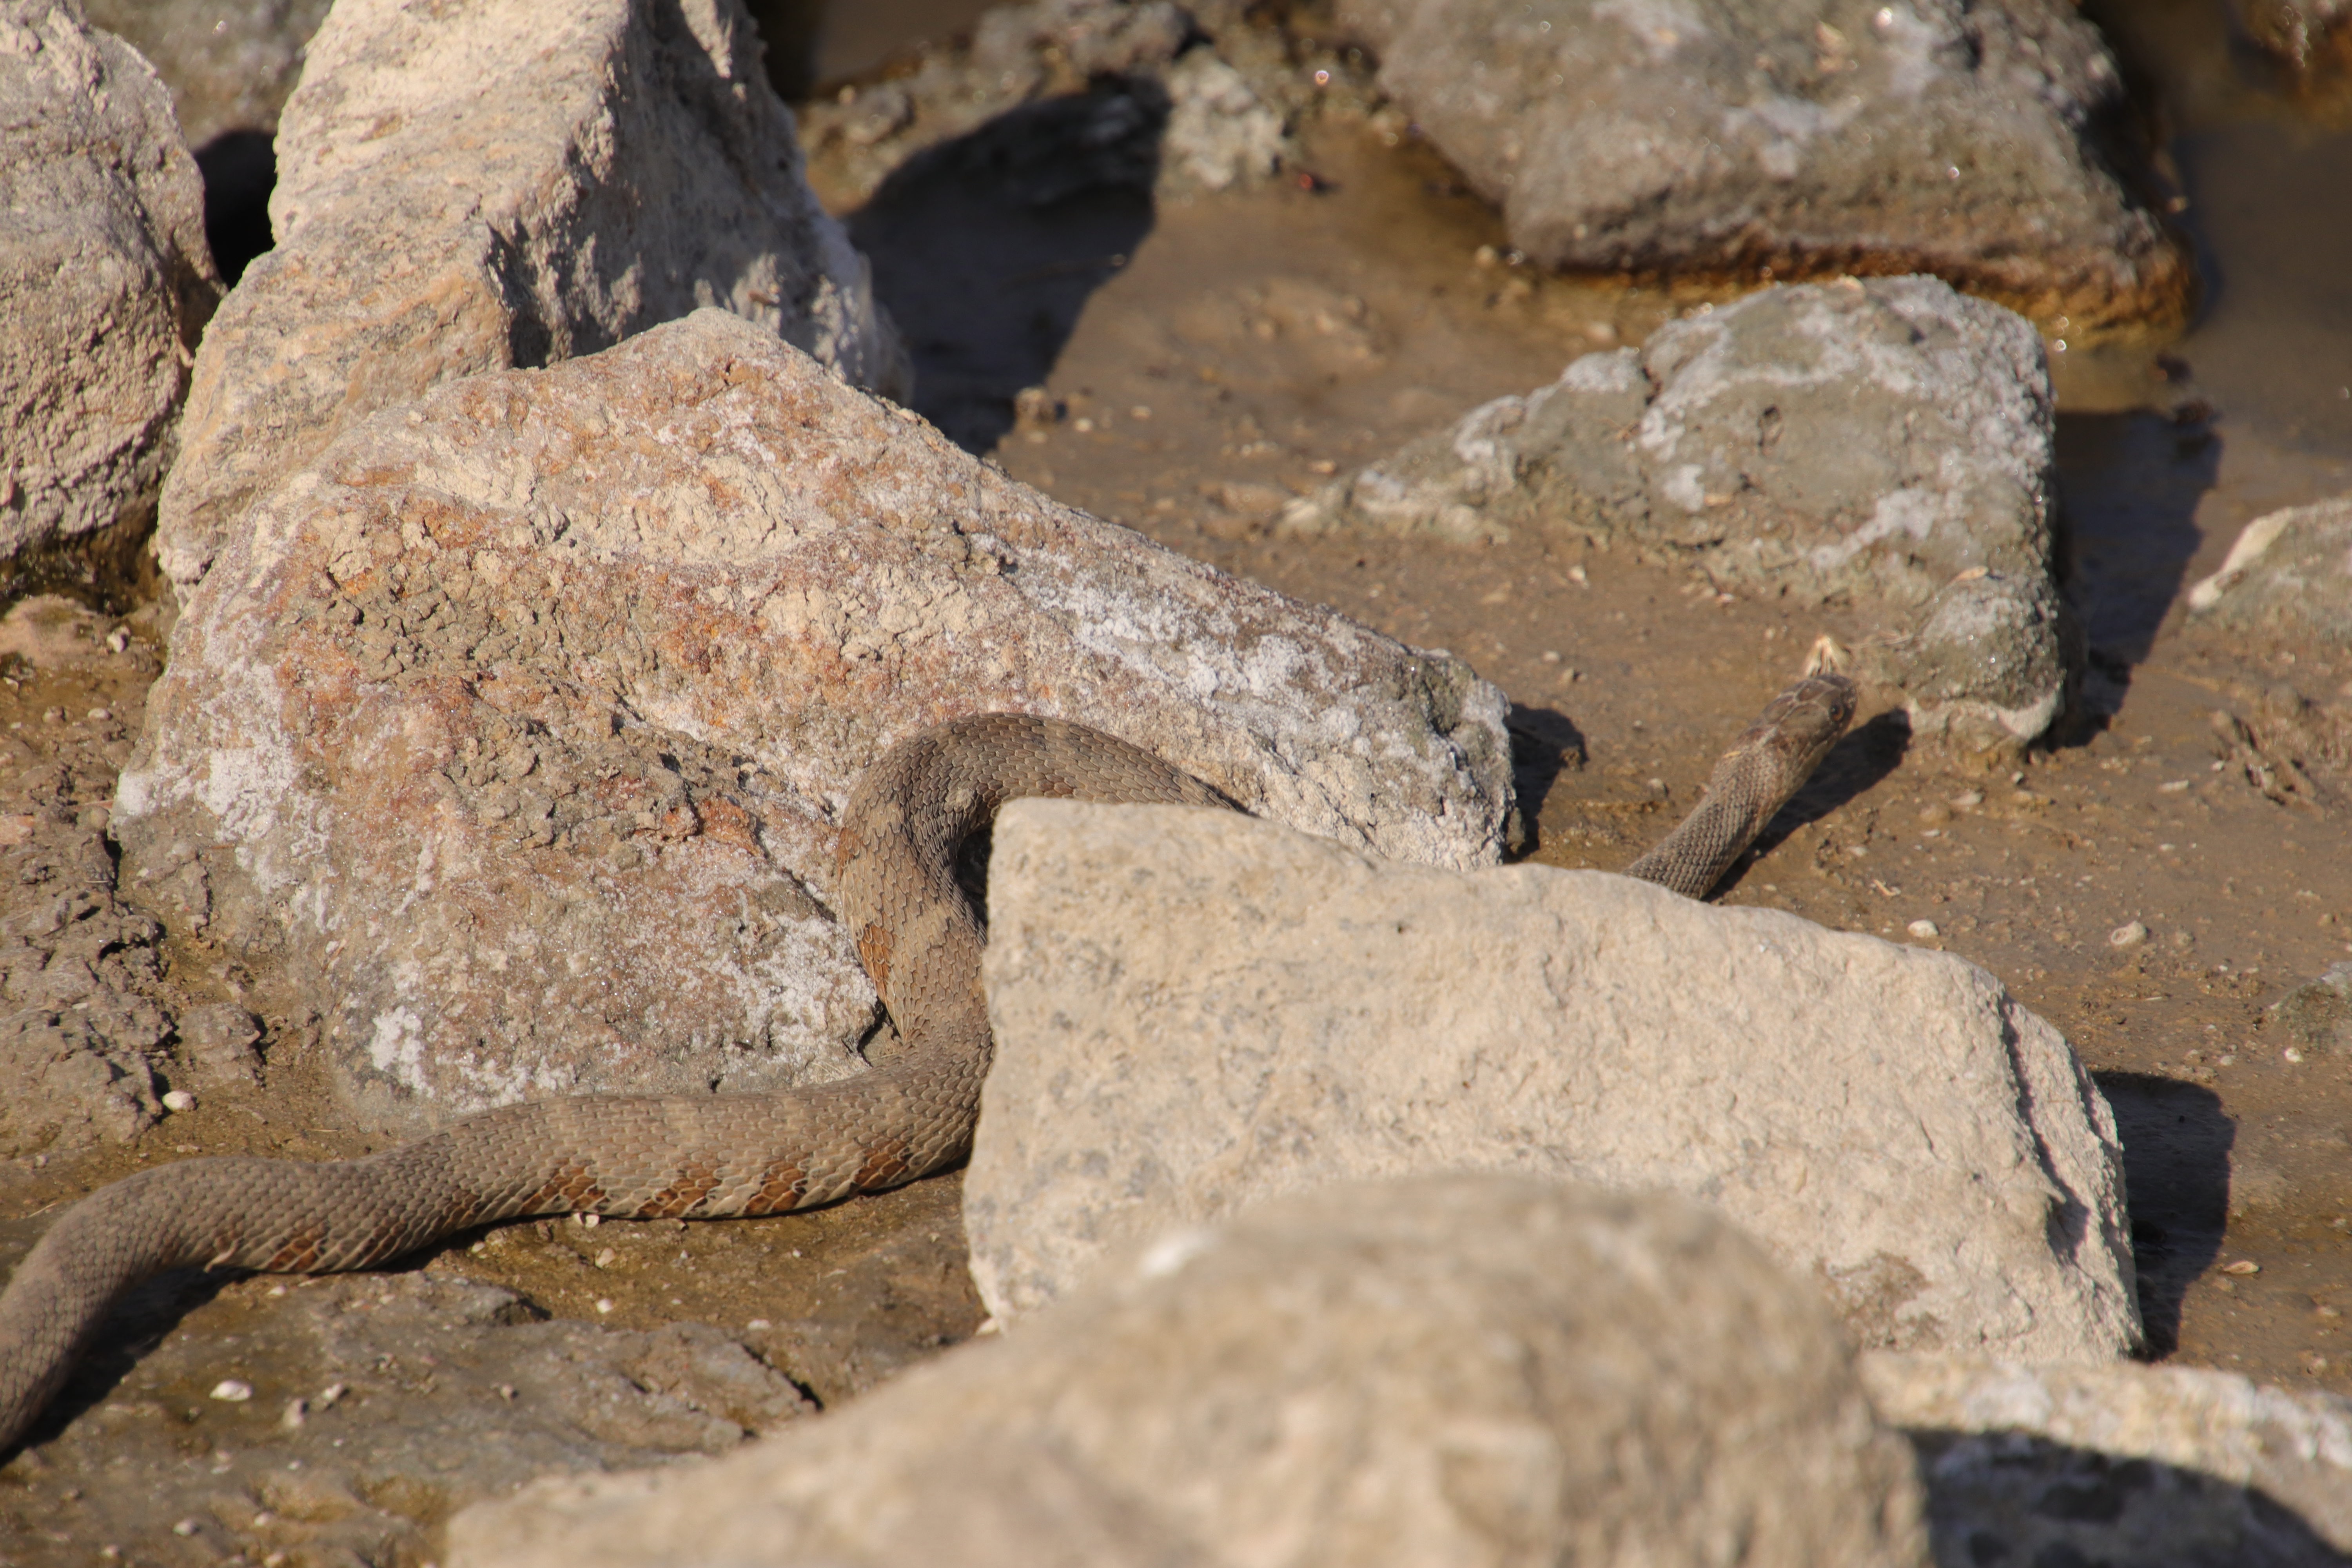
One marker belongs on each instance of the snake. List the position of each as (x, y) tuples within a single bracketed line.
[(720, 1156)]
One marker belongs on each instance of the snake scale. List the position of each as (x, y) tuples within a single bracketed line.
[(710, 1157)]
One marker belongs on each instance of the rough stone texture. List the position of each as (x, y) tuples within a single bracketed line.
[(512, 735), (229, 63), (1464, 1369), (1194, 1011), (471, 186), (2317, 1015), (377, 1405), (81, 1036), (2288, 574), (1179, 118), (2156, 1467), (1957, 137), (105, 282), (1889, 443), (2313, 35)]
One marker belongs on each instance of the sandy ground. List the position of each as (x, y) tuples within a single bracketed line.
[(1201, 362)]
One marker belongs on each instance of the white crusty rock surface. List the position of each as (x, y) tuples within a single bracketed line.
[(1888, 443), (511, 735), (2150, 1466), (467, 188), (105, 280), (1965, 138), (2288, 572), (1194, 1011), (1464, 1369)]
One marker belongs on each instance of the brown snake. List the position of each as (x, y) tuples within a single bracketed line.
[(643, 1156)]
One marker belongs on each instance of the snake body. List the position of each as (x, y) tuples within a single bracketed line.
[(712, 1157)]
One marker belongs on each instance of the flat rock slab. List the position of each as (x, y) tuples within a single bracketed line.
[(472, 187), (105, 280), (2289, 573), (2157, 1466), (1805, 136), (341, 1420), (512, 737), (1472, 1369), (1888, 443), (1194, 1011)]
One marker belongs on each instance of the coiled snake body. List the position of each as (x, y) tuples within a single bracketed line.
[(720, 1156)]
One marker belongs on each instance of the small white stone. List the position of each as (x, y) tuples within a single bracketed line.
[(757, 1323), (605, 1303), (1923, 929), (179, 1100), (2131, 933), (329, 1393), (185, 1527), (297, 1412), (2293, 1054), (235, 1390)]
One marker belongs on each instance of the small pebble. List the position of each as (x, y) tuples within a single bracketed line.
[(2228, 1059), (185, 1527), (2173, 787), (2131, 933), (2293, 1054), (117, 641), (1923, 929), (297, 1412), (604, 1259), (591, 1220), (605, 1303), (101, 715), (1968, 798), (2241, 1268), (1576, 575), (506, 1391), (757, 1323), (329, 1393), (235, 1390), (179, 1100)]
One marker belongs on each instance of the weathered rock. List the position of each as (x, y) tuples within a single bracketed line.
[(371, 1408), (504, 186), (2317, 1015), (219, 1039), (1177, 116), (2156, 1467), (512, 735), (1889, 443), (104, 278), (229, 63), (1194, 1011), (2289, 573), (1817, 135), (2313, 35), (1464, 1370), (81, 1036)]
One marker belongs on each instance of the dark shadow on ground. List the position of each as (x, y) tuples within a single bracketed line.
[(2177, 1141), (2129, 486), (138, 1323), (986, 249), (1544, 743), (240, 170)]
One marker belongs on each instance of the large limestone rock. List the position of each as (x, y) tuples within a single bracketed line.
[(105, 282), (230, 63), (1937, 136), (511, 734), (1470, 1369), (468, 187), (1886, 443), (2156, 1467), (2288, 574), (1194, 1011)]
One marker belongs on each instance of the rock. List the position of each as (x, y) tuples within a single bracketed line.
[(2156, 1467), (1889, 443), (1813, 136), (498, 186), (374, 1405), (219, 1039), (229, 63), (104, 278), (2289, 573), (511, 736), (1194, 1011), (2313, 35), (1464, 1370), (2318, 1016), (1176, 113)]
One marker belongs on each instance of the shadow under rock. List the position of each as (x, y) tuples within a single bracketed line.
[(2129, 486), (986, 249), (240, 170), (2177, 1141), (1544, 743)]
